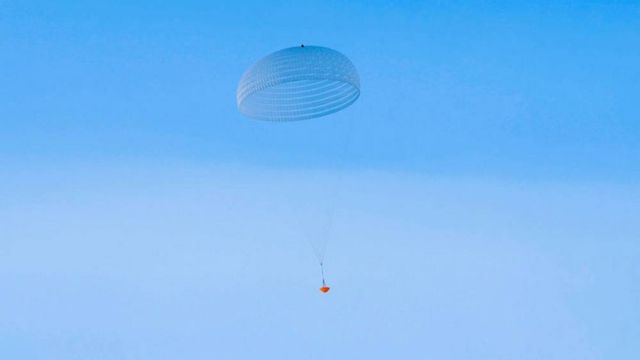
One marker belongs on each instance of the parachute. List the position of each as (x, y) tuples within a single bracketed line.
[(299, 83)]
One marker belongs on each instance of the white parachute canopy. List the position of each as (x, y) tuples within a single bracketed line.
[(298, 83)]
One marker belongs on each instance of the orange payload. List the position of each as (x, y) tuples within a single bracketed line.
[(325, 289)]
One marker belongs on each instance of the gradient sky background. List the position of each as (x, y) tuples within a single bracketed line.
[(487, 207)]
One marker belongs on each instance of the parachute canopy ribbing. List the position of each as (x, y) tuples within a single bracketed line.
[(298, 83)]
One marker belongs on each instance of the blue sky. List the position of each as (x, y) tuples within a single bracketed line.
[(487, 205)]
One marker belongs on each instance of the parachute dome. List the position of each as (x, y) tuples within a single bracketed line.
[(298, 83)]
